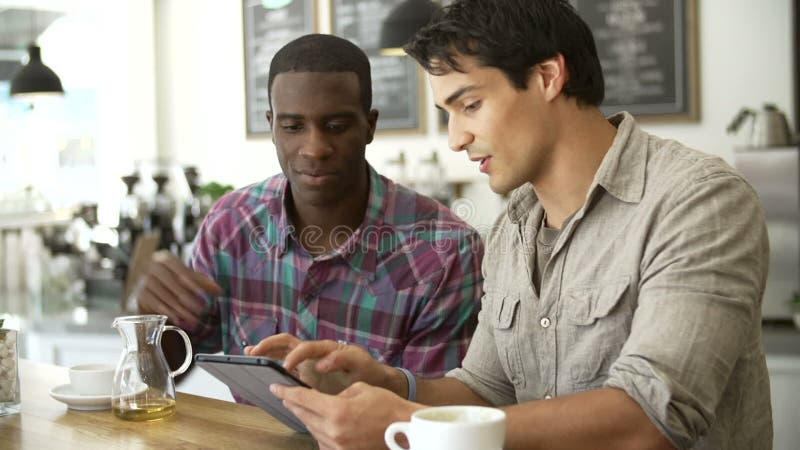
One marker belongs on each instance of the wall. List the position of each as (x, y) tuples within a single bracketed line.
[(745, 52), (105, 47), (746, 59)]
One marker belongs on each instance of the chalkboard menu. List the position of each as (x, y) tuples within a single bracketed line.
[(395, 79), (268, 26), (647, 49)]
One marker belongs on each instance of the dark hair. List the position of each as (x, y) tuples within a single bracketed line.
[(513, 36), (323, 53)]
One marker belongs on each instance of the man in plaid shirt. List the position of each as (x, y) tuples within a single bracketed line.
[(329, 249)]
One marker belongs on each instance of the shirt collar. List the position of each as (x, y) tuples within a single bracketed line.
[(360, 250), (621, 173)]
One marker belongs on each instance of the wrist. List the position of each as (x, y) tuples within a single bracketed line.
[(411, 384), (395, 380)]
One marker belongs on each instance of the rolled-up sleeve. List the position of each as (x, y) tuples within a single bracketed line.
[(703, 273)]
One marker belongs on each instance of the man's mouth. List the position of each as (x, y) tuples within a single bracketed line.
[(316, 178), (316, 172), (484, 164)]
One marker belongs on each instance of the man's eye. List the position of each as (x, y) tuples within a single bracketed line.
[(338, 127), (470, 107), (291, 128)]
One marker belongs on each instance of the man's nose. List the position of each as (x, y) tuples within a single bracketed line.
[(458, 138), (318, 145)]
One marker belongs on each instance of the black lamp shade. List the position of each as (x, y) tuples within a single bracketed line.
[(404, 20), (35, 77)]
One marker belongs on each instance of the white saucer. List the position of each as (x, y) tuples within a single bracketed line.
[(66, 394)]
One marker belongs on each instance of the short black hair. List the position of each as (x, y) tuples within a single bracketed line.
[(513, 36), (323, 53)]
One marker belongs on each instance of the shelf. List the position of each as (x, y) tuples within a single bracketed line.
[(16, 221), (742, 149)]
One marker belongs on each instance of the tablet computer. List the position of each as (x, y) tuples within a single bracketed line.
[(250, 377)]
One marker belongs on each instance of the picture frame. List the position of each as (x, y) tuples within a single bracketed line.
[(796, 31), (267, 26), (649, 55), (397, 90), (678, 102)]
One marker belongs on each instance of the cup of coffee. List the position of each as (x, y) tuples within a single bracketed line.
[(92, 379), (461, 427)]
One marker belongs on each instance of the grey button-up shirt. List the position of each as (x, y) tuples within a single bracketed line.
[(654, 287)]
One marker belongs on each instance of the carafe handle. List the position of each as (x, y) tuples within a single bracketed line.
[(187, 344)]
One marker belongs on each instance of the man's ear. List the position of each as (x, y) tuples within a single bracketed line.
[(269, 120), (553, 75), (372, 123)]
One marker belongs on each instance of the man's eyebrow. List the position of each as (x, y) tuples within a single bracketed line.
[(458, 93), (338, 115), (284, 116)]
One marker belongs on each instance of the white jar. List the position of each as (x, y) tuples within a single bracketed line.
[(9, 373)]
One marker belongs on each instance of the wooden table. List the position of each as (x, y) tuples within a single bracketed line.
[(199, 422)]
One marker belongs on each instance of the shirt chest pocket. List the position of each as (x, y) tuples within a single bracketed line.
[(248, 324), (506, 321), (596, 323), (586, 306)]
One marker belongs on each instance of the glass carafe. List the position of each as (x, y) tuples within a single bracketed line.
[(143, 384)]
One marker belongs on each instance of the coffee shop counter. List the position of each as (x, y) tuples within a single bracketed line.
[(83, 335), (782, 346), (65, 337)]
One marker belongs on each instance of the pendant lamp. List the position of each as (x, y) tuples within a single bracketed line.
[(35, 77), (402, 22)]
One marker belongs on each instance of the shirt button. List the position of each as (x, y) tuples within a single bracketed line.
[(547, 397), (545, 322)]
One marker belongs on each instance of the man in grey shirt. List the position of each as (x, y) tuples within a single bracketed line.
[(623, 284)]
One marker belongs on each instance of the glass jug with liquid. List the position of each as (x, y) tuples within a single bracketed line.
[(143, 384)]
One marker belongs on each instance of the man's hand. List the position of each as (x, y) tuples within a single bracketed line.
[(274, 347), (328, 356), (168, 287), (327, 366), (355, 419)]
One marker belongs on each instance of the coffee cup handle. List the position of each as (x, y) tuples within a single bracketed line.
[(392, 431), (188, 344)]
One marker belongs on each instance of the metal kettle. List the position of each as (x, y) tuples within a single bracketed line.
[(768, 127)]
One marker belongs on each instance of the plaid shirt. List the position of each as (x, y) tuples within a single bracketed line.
[(406, 285)]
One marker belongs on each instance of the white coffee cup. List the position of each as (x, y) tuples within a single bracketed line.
[(92, 379), (443, 427)]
